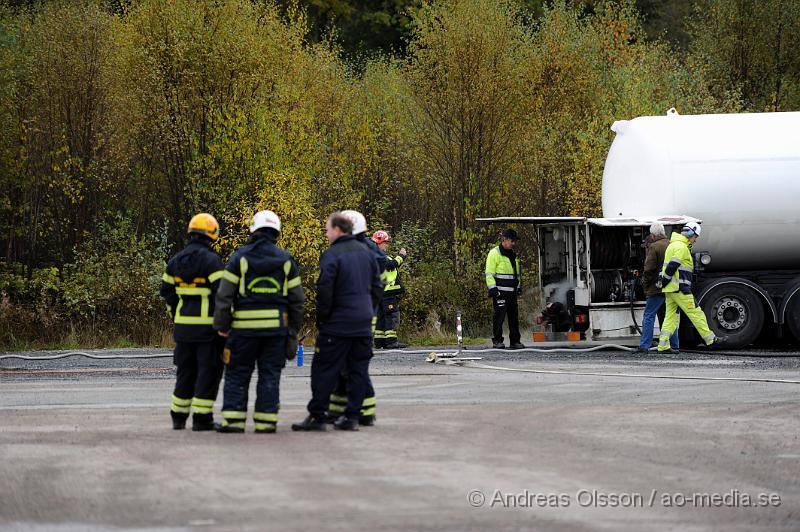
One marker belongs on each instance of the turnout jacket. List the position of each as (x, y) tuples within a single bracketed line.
[(349, 289), (502, 271), (260, 293), (188, 286), (678, 265), (394, 284)]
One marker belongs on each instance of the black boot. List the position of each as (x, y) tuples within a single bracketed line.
[(367, 421), (380, 343), (178, 420), (309, 424), (720, 342), (395, 345), (346, 423), (203, 422), (229, 429), (517, 345), (498, 345)]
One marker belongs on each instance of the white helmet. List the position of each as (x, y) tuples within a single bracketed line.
[(358, 220), (691, 229), (264, 219)]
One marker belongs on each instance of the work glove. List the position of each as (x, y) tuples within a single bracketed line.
[(291, 346), (519, 290), (494, 292), (663, 281), (403, 252)]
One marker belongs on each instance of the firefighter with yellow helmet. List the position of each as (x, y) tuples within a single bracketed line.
[(188, 286)]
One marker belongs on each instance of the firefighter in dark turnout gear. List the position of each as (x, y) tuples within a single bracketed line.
[(503, 282), (188, 286), (348, 290), (389, 311), (260, 309), (338, 402)]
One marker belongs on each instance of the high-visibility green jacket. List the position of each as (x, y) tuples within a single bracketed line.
[(394, 285), (678, 265), (500, 272)]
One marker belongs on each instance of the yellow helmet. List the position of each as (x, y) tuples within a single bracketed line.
[(204, 224)]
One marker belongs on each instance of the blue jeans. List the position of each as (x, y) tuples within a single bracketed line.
[(648, 321)]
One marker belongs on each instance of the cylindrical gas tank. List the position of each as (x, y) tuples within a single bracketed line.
[(739, 173)]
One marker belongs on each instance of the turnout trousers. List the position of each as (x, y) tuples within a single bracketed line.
[(332, 356), (199, 370), (388, 322), (685, 302), (247, 352), (338, 402), (505, 305)]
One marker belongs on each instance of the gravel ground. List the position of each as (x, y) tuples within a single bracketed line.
[(86, 445)]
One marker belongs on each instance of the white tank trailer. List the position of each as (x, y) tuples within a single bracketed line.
[(739, 174)]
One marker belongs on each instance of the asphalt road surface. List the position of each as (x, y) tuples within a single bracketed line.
[(602, 441)]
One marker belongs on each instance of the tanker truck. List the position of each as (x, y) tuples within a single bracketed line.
[(738, 174)]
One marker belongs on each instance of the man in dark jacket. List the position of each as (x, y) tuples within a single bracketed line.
[(348, 290), (188, 286), (656, 244), (338, 403), (260, 310)]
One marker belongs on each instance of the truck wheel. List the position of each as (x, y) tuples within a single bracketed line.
[(792, 317), (734, 311)]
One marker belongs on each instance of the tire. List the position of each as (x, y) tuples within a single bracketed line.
[(734, 311), (792, 317)]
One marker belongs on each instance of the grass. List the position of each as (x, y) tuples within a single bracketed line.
[(92, 338)]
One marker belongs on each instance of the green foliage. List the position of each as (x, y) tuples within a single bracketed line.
[(109, 294), (749, 48), (119, 120)]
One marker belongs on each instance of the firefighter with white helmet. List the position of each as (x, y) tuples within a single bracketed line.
[(677, 275), (188, 286), (259, 308)]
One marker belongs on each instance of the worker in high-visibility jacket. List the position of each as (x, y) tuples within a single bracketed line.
[(503, 280), (188, 285), (675, 282), (260, 310), (389, 311)]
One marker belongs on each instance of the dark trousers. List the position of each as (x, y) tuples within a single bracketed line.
[(199, 369), (505, 305), (338, 403), (388, 322), (269, 353), (332, 355)]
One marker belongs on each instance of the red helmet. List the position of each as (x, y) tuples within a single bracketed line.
[(379, 237)]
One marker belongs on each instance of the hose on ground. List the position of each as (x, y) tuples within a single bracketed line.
[(565, 350), (85, 354), (477, 365)]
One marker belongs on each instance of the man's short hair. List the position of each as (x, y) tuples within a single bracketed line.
[(341, 221)]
